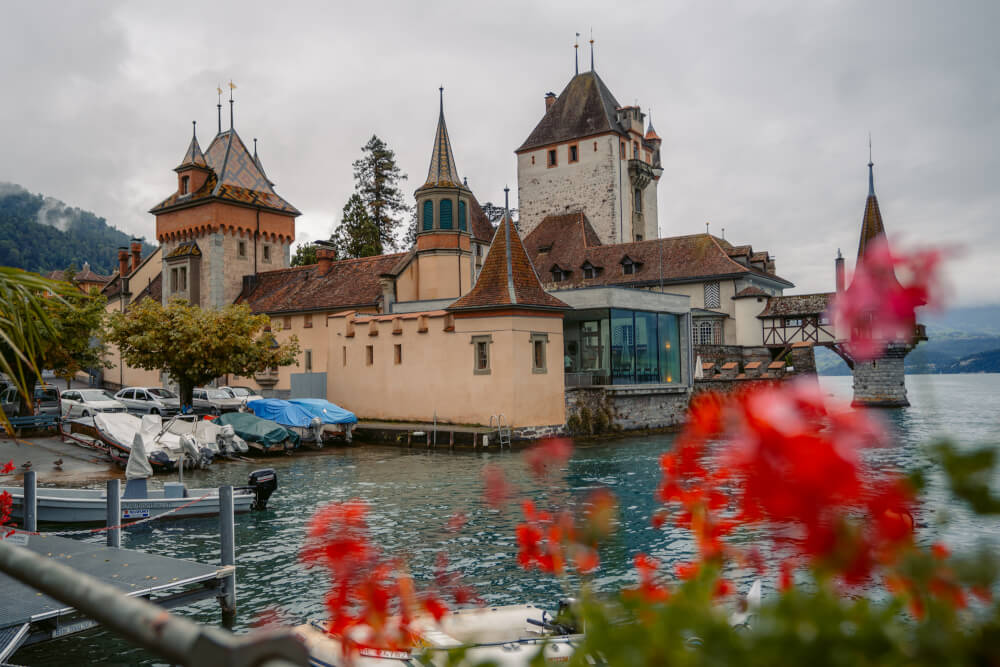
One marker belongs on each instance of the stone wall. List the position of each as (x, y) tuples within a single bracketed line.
[(882, 383), (626, 408)]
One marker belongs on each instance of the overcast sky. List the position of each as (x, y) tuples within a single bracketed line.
[(764, 110)]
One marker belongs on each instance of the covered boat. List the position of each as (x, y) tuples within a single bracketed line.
[(334, 418), (260, 434), (308, 426)]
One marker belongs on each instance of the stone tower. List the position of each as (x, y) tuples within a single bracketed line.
[(880, 382), (588, 153), (444, 262), (223, 222)]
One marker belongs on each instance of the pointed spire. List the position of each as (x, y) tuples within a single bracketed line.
[(508, 278), (442, 170), (650, 132), (232, 87), (576, 54), (591, 49), (193, 157), (219, 107), (871, 224)]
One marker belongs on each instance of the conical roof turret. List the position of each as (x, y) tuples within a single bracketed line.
[(871, 226), (193, 157), (442, 171)]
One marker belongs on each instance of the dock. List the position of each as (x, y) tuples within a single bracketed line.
[(425, 434), (28, 617)]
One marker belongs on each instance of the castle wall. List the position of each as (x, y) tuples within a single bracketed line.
[(591, 184), (436, 372), (882, 382)]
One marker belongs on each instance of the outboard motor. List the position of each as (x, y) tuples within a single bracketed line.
[(316, 426), (263, 482), (225, 440)]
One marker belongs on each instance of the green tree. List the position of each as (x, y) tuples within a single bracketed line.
[(357, 235), (78, 345), (196, 345), (377, 178), (304, 255)]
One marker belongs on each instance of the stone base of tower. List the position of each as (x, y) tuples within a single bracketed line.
[(882, 382)]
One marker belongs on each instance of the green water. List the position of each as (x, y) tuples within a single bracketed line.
[(413, 492)]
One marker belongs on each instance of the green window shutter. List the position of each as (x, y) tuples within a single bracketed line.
[(445, 214), (428, 215), (461, 216)]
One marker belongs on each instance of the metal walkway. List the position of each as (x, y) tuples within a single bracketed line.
[(28, 617)]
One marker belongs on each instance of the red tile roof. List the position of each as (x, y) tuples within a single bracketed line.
[(752, 290), (507, 278), (571, 242), (480, 226), (584, 108), (350, 283), (796, 304)]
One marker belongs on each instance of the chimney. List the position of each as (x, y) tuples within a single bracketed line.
[(839, 268), (325, 258), (122, 261), (550, 99), (136, 249)]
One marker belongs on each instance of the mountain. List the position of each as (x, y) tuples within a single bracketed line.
[(981, 362), (42, 234), (970, 320), (942, 353)]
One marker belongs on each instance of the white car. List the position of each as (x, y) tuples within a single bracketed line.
[(86, 402), (245, 394)]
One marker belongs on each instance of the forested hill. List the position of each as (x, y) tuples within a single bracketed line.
[(43, 234)]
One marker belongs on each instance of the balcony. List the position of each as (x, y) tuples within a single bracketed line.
[(267, 379)]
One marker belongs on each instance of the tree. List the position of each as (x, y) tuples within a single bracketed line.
[(305, 255), (196, 345), (494, 214), (78, 321), (357, 235), (377, 180), (410, 239)]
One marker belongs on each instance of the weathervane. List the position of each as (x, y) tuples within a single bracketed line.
[(576, 53)]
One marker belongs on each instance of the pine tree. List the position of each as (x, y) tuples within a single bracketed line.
[(377, 180), (357, 235)]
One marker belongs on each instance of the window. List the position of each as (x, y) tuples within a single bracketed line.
[(307, 324), (637, 201), (706, 332), (628, 267), (266, 251), (635, 150), (241, 249), (595, 146), (712, 295), (552, 157), (369, 355), (445, 212), (558, 275), (185, 180), (621, 150), (183, 278), (173, 280), (428, 215), (481, 354), (573, 156), (532, 159), (286, 322), (793, 322), (638, 237), (397, 353), (343, 355), (309, 361), (589, 270), (539, 341), (462, 224)]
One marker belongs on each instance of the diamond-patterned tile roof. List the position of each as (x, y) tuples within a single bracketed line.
[(442, 171)]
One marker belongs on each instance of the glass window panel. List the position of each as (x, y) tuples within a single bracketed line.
[(622, 347), (646, 348), (670, 349)]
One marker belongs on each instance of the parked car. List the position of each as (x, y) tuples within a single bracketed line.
[(86, 402), (46, 400), (245, 394), (214, 401), (150, 400)]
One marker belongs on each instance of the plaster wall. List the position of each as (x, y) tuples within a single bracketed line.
[(436, 374), (745, 323)]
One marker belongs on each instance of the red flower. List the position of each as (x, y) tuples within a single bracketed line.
[(549, 454), (8, 468), (497, 490), (648, 590)]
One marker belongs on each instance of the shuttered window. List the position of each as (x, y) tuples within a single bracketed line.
[(712, 296), (445, 214), (428, 215), (461, 216)]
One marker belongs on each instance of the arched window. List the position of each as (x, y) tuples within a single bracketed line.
[(461, 216), (428, 215), (445, 208)]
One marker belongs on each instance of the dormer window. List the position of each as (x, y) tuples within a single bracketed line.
[(545, 249), (185, 184), (589, 270), (559, 275), (628, 267)]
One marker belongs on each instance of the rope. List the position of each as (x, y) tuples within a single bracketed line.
[(102, 529)]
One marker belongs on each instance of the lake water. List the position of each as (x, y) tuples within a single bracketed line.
[(413, 493)]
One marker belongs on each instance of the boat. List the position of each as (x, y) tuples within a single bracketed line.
[(308, 426), (504, 636), (329, 414), (140, 502), (262, 435)]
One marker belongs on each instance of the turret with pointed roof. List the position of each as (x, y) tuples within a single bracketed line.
[(443, 201), (871, 224)]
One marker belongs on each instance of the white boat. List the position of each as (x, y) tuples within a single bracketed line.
[(505, 636), (58, 505)]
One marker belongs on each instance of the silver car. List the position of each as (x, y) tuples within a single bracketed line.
[(86, 402), (214, 401), (150, 400), (245, 394), (46, 400)]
